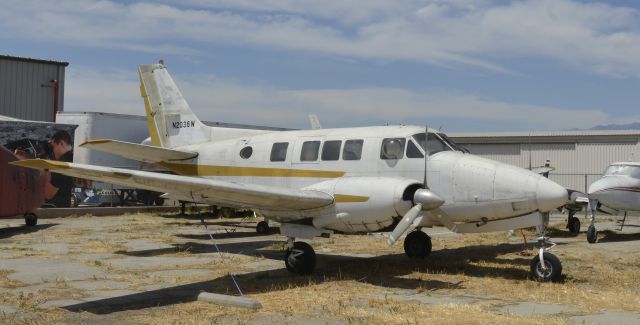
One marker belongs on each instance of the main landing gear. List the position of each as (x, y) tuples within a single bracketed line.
[(262, 227), (545, 266), (417, 244), (300, 257), (30, 219), (573, 223)]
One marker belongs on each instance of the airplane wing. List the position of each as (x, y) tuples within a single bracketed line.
[(192, 188), (139, 152)]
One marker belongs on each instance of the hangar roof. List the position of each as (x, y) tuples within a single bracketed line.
[(547, 136), (25, 59)]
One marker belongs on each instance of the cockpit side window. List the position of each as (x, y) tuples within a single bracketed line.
[(413, 151)]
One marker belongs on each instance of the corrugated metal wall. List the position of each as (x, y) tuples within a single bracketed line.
[(26, 90), (577, 164)]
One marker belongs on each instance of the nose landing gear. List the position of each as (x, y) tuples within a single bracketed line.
[(545, 266)]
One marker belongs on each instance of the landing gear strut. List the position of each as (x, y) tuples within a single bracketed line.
[(30, 219), (300, 257), (417, 244), (545, 266), (592, 232)]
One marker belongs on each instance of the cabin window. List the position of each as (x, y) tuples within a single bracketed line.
[(413, 151), (279, 151), (392, 148), (331, 150), (352, 150), (246, 152), (310, 151)]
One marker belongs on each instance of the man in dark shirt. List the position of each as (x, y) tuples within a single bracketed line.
[(58, 187)]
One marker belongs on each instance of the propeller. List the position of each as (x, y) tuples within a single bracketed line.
[(423, 199)]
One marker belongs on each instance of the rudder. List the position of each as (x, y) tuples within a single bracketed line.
[(170, 119)]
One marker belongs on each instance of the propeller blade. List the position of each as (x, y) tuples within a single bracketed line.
[(404, 224)]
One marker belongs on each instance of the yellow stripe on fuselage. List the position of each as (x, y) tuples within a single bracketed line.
[(344, 198), (211, 170)]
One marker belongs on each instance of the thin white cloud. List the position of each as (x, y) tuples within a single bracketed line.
[(215, 99), (589, 36)]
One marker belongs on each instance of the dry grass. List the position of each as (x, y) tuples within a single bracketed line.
[(346, 288)]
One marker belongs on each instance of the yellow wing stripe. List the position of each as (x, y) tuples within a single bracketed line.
[(41, 164), (211, 170)]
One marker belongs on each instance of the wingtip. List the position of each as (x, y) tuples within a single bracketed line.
[(41, 164)]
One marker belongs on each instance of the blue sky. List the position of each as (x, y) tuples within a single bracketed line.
[(458, 64)]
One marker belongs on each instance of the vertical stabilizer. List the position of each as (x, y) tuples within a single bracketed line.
[(171, 122)]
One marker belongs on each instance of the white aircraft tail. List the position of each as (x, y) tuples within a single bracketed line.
[(170, 120)]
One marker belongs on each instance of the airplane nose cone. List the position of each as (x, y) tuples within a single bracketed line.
[(550, 195)]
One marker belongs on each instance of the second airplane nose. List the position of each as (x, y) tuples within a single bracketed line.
[(550, 195)]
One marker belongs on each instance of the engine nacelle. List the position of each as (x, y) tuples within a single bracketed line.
[(364, 204)]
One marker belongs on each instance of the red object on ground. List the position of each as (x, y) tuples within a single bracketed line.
[(21, 189)]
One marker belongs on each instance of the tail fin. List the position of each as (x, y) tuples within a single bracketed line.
[(171, 122)]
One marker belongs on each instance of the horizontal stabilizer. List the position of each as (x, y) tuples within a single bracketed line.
[(139, 152)]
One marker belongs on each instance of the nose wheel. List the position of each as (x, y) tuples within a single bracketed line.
[(545, 266), (300, 258)]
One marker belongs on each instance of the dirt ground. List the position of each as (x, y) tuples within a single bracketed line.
[(149, 268)]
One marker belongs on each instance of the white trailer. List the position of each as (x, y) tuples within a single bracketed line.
[(98, 125)]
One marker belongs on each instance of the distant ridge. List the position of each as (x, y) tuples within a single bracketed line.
[(630, 126)]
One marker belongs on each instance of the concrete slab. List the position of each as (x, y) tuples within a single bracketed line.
[(52, 248), (155, 262), (429, 299), (181, 273), (36, 270), (58, 303), (608, 318), (98, 285), (144, 244), (280, 319), (527, 308), (104, 294), (4, 309)]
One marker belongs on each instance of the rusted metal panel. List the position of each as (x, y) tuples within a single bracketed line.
[(22, 189)]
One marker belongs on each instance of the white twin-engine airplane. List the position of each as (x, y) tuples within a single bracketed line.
[(618, 189), (352, 180)]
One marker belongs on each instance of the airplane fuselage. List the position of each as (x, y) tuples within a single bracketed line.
[(473, 188), (619, 187)]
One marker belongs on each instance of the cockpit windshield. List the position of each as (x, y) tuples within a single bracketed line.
[(452, 143), (623, 170), (434, 143)]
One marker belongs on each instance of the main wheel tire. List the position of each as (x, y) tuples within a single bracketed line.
[(159, 201), (30, 219), (552, 271), (574, 225), (592, 235), (417, 244), (301, 259), (262, 227)]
